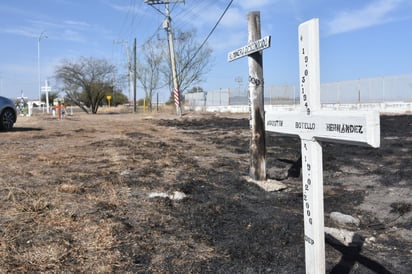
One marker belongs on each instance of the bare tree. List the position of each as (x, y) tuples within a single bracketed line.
[(192, 63), (192, 60), (87, 81), (148, 71)]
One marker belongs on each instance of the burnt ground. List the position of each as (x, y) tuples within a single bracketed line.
[(94, 193)]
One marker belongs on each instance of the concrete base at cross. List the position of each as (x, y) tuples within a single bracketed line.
[(267, 185)]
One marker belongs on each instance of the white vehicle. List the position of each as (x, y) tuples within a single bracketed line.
[(8, 113)]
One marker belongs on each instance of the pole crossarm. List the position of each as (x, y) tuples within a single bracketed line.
[(360, 128), (160, 2)]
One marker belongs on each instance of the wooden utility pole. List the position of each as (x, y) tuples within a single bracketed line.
[(176, 92), (167, 25), (256, 97), (134, 77)]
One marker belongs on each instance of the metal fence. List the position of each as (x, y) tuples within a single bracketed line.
[(368, 90)]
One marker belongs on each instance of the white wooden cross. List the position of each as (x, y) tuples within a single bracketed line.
[(312, 124)]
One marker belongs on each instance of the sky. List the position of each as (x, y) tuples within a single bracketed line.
[(358, 39)]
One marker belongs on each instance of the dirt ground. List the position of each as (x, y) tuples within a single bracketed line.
[(155, 193)]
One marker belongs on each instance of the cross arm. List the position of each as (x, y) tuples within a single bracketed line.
[(351, 127)]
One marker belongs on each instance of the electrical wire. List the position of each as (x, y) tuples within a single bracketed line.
[(161, 12), (208, 36), (129, 19), (155, 32), (191, 13), (194, 12)]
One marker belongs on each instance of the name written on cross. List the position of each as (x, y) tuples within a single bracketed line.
[(312, 124), (347, 127), (250, 48)]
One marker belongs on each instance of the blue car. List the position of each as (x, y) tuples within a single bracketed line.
[(8, 113)]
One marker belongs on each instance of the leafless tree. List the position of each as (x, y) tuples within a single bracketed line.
[(87, 81), (192, 61), (148, 70)]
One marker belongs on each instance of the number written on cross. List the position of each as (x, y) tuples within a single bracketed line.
[(312, 124)]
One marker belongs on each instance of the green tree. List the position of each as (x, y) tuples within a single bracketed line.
[(52, 96), (87, 81), (118, 98), (195, 90)]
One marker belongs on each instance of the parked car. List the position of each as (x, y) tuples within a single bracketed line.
[(8, 113)]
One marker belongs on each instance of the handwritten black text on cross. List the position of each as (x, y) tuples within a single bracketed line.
[(312, 124)]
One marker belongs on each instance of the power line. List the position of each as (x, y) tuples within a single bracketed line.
[(168, 28), (191, 13), (210, 34), (215, 26), (155, 32), (129, 18), (161, 12)]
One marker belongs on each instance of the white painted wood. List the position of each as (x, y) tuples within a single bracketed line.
[(309, 66), (250, 48), (312, 124), (312, 180), (354, 127)]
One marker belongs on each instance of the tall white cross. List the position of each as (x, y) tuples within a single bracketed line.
[(312, 124), (46, 88)]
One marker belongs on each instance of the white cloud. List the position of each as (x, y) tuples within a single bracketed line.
[(21, 31), (248, 4), (376, 13), (71, 35), (226, 34), (234, 18), (67, 30), (227, 42), (9, 9), (76, 24), (129, 9), (197, 17)]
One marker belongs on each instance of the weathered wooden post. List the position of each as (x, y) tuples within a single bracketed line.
[(256, 94), (257, 111)]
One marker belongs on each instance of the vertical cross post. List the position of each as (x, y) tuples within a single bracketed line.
[(256, 96), (313, 124), (312, 174), (46, 89)]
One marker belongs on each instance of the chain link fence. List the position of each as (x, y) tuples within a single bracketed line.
[(368, 90)]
